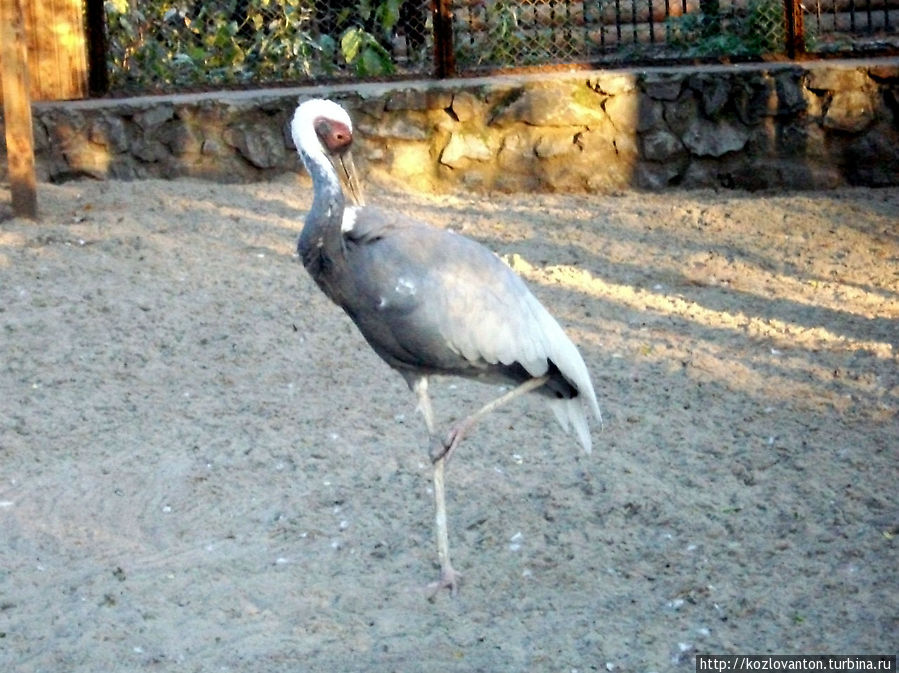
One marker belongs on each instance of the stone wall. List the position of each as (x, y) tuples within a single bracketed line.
[(789, 125)]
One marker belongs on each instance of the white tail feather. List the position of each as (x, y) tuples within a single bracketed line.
[(571, 413), (561, 413), (564, 354)]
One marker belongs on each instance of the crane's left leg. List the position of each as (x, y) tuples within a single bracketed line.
[(449, 577)]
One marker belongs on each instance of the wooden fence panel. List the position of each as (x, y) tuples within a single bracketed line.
[(57, 51)]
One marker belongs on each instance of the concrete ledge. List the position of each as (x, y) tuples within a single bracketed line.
[(775, 125)]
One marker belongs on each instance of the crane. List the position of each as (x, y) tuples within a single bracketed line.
[(430, 302)]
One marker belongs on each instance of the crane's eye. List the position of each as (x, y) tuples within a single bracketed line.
[(322, 127)]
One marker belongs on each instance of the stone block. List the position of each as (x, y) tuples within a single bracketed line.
[(660, 145), (463, 148), (828, 77), (214, 147), (399, 125), (412, 164), (705, 138), (657, 175), (608, 176), (87, 158), (680, 114), (518, 182), (560, 175), (152, 117), (814, 103), (63, 127), (121, 168), (614, 84), (797, 140), (873, 159), (259, 143), (41, 136), (626, 147), (476, 178), (623, 111), (700, 173), (407, 99), (605, 163), (181, 138), (713, 89), (467, 107), (517, 148), (849, 111), (555, 143), (755, 97), (553, 104), (109, 131), (148, 150), (650, 114), (663, 86), (439, 98), (884, 72), (373, 107), (788, 84)]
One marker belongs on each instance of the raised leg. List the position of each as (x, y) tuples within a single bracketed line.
[(458, 431)]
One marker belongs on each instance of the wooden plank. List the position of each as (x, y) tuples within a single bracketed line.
[(57, 49), (17, 109)]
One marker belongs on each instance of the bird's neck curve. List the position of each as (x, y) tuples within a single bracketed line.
[(321, 233)]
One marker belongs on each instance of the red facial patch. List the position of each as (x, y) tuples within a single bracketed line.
[(335, 136)]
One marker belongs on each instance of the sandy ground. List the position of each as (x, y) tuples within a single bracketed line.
[(204, 468)]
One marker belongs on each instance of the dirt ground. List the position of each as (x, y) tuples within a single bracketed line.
[(204, 468)]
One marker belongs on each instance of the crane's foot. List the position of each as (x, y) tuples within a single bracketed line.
[(449, 579)]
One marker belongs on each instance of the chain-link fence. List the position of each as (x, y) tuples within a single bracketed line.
[(529, 32), (183, 44)]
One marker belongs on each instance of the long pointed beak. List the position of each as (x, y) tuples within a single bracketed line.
[(346, 169)]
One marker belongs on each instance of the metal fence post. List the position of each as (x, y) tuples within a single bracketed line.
[(444, 56), (95, 21), (795, 28)]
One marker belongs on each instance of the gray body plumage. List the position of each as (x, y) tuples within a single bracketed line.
[(430, 301)]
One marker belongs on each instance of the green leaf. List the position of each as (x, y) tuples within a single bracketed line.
[(388, 13), (328, 45), (351, 43), (197, 53), (375, 62)]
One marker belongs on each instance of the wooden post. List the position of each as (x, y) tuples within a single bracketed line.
[(17, 110)]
